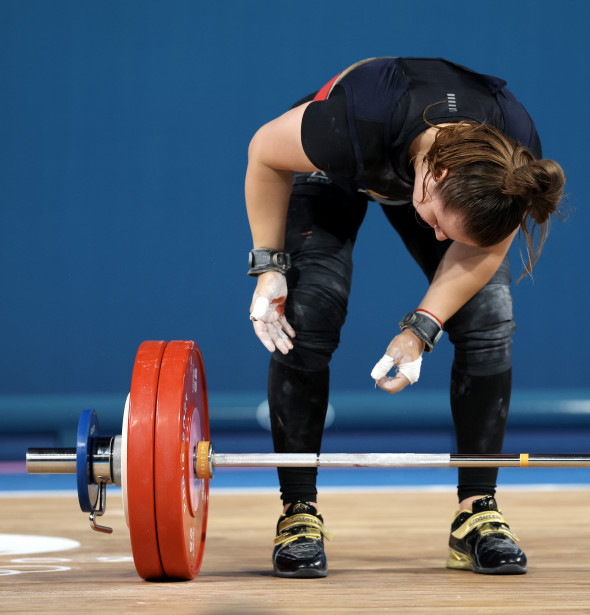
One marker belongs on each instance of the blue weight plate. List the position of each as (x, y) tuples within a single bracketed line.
[(87, 489)]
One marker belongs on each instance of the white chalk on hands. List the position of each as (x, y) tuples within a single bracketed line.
[(260, 306), (410, 370)]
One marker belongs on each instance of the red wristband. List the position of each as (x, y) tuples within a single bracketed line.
[(438, 320)]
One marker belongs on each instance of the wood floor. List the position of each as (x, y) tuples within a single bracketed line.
[(387, 556)]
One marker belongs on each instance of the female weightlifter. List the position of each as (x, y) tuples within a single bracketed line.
[(455, 162)]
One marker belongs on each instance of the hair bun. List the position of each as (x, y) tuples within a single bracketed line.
[(538, 185)]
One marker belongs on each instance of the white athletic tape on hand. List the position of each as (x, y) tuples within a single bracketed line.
[(382, 368), (410, 370), (260, 306)]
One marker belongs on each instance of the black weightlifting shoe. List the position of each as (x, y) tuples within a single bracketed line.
[(299, 544), (482, 541)]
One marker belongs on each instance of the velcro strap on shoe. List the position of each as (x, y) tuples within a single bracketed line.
[(301, 526), (504, 529), (483, 518), (282, 539)]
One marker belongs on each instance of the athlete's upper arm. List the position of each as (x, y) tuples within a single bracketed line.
[(314, 136), (278, 143)]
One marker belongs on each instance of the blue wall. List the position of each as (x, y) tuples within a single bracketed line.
[(124, 127)]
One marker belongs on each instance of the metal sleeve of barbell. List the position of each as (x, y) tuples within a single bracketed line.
[(396, 460), (51, 461)]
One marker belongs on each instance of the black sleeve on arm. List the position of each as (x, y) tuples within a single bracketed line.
[(325, 136)]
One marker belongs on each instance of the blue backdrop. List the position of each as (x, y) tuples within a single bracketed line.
[(124, 128)]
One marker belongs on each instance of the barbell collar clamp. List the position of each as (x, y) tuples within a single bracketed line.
[(106, 461)]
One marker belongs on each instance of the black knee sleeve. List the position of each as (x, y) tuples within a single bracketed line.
[(298, 401), (322, 224), (480, 409), (317, 313), (482, 329)]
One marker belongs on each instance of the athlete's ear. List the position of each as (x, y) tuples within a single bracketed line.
[(441, 174)]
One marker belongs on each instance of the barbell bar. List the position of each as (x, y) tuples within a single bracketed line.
[(205, 460), (384, 460), (163, 461)]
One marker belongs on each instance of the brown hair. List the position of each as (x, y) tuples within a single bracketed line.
[(496, 184)]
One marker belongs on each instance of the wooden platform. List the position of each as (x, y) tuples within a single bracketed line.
[(387, 556)]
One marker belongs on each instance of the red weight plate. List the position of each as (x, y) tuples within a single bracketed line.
[(182, 499), (140, 460)]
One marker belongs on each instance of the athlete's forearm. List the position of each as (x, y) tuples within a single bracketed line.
[(463, 271), (267, 199)]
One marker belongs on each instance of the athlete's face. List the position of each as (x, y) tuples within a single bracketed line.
[(446, 224)]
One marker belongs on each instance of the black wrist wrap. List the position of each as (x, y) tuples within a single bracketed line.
[(262, 260), (425, 328)]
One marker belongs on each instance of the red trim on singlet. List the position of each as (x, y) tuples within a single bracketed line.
[(323, 93)]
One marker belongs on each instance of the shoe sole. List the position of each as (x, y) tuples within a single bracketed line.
[(460, 561), (303, 573), (508, 569)]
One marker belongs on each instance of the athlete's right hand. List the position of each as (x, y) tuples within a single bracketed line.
[(267, 312)]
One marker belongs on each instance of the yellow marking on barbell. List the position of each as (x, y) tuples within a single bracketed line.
[(524, 460)]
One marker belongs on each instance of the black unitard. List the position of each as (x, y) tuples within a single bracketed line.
[(360, 136)]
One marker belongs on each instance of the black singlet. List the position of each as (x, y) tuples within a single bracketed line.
[(363, 128)]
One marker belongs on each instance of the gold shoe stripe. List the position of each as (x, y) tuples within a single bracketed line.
[(459, 561)]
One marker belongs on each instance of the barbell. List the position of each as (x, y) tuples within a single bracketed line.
[(163, 461)]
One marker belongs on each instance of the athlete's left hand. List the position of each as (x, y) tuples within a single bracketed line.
[(404, 352)]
